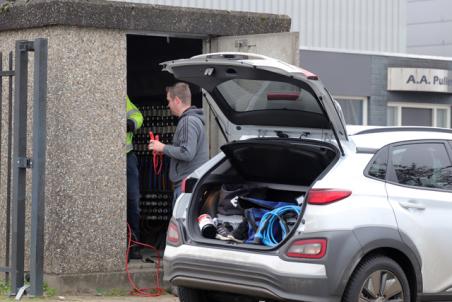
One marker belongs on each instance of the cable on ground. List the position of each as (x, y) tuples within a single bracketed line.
[(143, 292)]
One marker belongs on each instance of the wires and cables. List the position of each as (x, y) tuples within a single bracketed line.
[(157, 157), (273, 227), (143, 292)]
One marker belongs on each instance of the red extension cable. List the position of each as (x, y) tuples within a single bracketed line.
[(143, 292)]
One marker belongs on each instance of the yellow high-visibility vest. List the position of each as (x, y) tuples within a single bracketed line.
[(135, 115)]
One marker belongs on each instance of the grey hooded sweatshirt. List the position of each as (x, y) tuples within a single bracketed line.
[(189, 149)]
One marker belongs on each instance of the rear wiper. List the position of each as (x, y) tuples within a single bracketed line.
[(305, 134), (281, 134)]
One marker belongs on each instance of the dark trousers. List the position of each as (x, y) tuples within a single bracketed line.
[(133, 195), (176, 193)]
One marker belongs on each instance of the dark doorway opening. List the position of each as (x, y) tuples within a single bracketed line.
[(146, 88)]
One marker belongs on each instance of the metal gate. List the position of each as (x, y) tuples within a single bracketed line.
[(18, 163)]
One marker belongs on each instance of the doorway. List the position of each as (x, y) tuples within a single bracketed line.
[(146, 88)]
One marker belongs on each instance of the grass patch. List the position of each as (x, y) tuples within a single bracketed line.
[(48, 291), (5, 289)]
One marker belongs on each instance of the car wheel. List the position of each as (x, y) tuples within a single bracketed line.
[(378, 279)]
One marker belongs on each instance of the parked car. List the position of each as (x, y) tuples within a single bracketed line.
[(367, 216)]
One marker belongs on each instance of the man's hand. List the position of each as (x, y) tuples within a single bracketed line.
[(156, 146)]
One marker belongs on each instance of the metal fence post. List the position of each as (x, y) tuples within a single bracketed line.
[(38, 173), (19, 168)]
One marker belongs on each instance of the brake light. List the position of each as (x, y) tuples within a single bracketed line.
[(309, 248), (183, 185), (173, 235), (310, 75), (188, 184), (282, 96), (326, 196)]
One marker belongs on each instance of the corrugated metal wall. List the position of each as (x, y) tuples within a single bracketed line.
[(429, 33), (373, 25)]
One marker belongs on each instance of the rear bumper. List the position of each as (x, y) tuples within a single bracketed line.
[(247, 273)]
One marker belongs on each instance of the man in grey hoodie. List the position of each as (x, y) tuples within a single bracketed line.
[(189, 149)]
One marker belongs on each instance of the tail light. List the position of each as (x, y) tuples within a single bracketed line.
[(309, 248), (183, 185), (326, 196), (173, 236), (188, 184)]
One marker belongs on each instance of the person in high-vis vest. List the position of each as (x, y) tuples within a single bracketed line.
[(134, 122)]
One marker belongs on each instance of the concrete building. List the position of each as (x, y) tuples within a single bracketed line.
[(98, 52), (366, 25)]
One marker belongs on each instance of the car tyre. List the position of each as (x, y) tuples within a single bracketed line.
[(378, 278)]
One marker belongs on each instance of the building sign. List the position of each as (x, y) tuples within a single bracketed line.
[(420, 79)]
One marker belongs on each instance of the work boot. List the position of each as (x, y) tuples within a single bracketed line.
[(134, 253)]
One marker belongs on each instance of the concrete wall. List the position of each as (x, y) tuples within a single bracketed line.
[(373, 25), (85, 228), (139, 18)]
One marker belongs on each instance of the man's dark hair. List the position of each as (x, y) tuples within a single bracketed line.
[(182, 91)]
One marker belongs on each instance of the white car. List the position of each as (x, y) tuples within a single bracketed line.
[(368, 215)]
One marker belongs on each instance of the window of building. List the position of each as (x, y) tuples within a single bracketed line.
[(430, 115), (354, 109), (422, 165)]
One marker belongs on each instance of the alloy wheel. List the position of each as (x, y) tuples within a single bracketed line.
[(381, 286)]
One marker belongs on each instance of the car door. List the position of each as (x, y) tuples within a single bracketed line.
[(419, 189)]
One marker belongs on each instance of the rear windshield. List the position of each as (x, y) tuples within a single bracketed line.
[(254, 95)]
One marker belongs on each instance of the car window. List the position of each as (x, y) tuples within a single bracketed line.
[(422, 165), (378, 164), (251, 95)]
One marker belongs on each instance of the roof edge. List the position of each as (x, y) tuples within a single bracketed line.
[(139, 17)]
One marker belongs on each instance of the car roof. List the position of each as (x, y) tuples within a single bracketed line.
[(375, 137)]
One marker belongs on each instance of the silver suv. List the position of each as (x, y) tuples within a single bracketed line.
[(319, 214)]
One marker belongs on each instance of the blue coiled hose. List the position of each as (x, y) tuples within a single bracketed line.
[(270, 221)]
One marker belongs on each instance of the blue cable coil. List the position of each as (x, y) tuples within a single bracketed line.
[(272, 223)]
